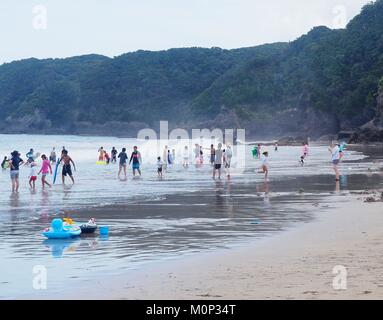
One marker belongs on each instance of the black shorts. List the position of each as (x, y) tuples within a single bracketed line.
[(217, 166), (67, 170), (159, 170)]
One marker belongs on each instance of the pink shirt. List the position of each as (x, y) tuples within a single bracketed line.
[(45, 167)]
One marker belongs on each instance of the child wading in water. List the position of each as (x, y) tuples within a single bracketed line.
[(33, 175), (159, 166), (265, 165), (45, 170), (123, 158), (335, 158)]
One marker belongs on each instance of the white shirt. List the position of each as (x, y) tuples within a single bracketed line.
[(265, 161), (33, 172), (159, 164), (186, 153), (229, 153), (218, 156), (335, 153), (196, 152)]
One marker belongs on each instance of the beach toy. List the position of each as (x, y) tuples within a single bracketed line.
[(101, 162), (89, 227), (104, 230), (68, 221), (61, 230), (56, 170)]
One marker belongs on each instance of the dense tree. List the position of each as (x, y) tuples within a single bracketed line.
[(333, 72)]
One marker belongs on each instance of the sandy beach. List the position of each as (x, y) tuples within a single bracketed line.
[(296, 264)]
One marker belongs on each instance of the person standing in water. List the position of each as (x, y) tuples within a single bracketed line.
[(67, 168), (228, 157), (196, 154), (335, 158), (30, 156), (122, 166), (185, 162), (276, 147), (169, 158), (218, 161), (33, 175), (45, 169), (101, 156), (159, 167), (14, 164), (265, 165), (5, 164), (305, 153), (165, 157), (52, 156), (174, 156), (255, 152), (106, 157), (259, 150), (135, 159), (114, 155), (201, 155), (212, 155)]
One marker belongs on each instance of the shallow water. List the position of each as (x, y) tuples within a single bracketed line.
[(154, 219)]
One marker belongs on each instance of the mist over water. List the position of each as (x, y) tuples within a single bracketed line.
[(151, 219)]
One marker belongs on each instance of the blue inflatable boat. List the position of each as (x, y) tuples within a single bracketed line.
[(59, 230)]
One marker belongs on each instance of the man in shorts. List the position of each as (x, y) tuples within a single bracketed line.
[(218, 161), (66, 160), (136, 159), (212, 154)]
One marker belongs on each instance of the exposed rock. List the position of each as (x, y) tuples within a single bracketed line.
[(372, 131)]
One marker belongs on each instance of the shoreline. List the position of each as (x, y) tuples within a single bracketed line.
[(293, 264)]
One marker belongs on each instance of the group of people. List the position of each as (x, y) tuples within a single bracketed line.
[(104, 156), (15, 162), (135, 159), (219, 159), (336, 149)]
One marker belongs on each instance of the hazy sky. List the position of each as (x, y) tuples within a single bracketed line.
[(113, 27)]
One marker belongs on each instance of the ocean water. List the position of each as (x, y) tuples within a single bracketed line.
[(150, 218)]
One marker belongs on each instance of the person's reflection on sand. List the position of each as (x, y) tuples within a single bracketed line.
[(219, 199), (44, 207), (14, 203), (266, 198), (229, 200), (14, 200), (67, 191), (337, 186), (343, 181)]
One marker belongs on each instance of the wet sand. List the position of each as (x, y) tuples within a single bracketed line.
[(296, 264), (226, 241)]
